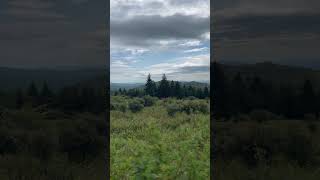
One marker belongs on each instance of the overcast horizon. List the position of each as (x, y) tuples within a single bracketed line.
[(282, 31), (53, 33), (157, 37)]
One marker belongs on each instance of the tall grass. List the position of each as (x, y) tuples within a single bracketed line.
[(151, 144)]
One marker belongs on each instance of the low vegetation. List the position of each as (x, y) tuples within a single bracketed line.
[(155, 138)]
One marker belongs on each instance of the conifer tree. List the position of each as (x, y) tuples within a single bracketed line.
[(220, 92), (150, 86), (177, 90), (172, 89), (19, 99), (32, 90), (163, 87), (206, 92), (308, 98)]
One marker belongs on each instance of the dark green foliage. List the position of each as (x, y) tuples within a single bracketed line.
[(8, 142), (173, 109), (43, 145), (150, 87), (238, 95), (136, 105), (149, 100), (188, 106), (166, 89), (221, 92), (19, 99)]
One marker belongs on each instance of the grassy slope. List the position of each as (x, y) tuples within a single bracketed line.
[(33, 132), (150, 144), (280, 137)]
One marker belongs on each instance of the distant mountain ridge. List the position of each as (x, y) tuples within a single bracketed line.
[(127, 86), (13, 78), (275, 73)]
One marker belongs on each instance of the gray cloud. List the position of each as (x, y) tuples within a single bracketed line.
[(285, 31), (48, 33), (142, 30)]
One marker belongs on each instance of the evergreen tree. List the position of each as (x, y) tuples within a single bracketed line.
[(177, 90), (308, 98), (150, 86), (238, 95), (206, 92), (172, 89), (32, 90), (45, 95), (19, 99), (163, 90), (220, 92)]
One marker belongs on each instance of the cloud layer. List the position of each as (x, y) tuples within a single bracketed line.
[(48, 33), (285, 31), (159, 36)]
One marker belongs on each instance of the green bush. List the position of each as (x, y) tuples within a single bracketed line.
[(43, 145), (149, 100), (262, 115), (8, 143), (172, 109), (136, 105)]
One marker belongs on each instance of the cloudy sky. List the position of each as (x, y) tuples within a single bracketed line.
[(282, 31), (53, 33), (159, 36)]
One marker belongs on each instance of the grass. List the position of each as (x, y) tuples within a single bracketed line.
[(150, 144), (273, 150), (43, 145)]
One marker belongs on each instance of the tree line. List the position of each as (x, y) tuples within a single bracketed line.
[(165, 89), (70, 99), (241, 95)]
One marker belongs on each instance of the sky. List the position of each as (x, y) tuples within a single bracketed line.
[(281, 31), (169, 37), (53, 33)]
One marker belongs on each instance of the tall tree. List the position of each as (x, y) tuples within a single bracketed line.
[(177, 90), (220, 98), (308, 98), (206, 92), (172, 89), (46, 94), (163, 87), (32, 90), (19, 99), (150, 86), (238, 95)]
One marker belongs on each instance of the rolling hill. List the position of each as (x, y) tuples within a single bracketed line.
[(13, 78), (275, 73)]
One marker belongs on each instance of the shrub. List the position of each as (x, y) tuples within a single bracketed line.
[(149, 101), (172, 109), (193, 106), (43, 145), (262, 115), (310, 117), (136, 105), (8, 143), (80, 143)]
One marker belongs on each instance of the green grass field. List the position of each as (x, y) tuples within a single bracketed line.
[(272, 149), (151, 144), (47, 144)]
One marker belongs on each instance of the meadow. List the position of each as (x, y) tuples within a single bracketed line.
[(155, 138), (271, 149)]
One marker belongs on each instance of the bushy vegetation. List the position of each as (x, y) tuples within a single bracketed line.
[(262, 131), (52, 135), (153, 144), (271, 149), (165, 89), (244, 93)]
